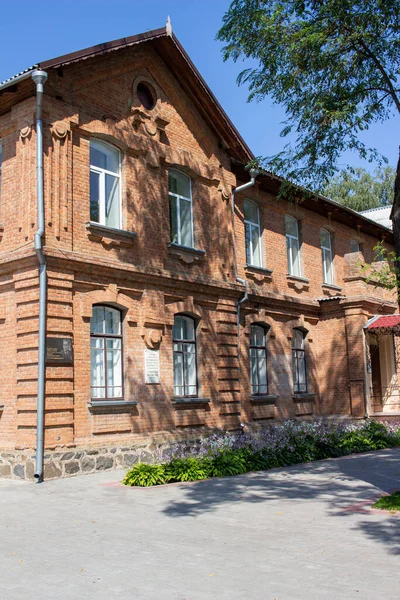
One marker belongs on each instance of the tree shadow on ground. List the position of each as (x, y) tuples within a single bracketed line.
[(347, 486)]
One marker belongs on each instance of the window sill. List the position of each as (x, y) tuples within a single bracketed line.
[(111, 404), (307, 396), (258, 273), (183, 401), (298, 283), (102, 234), (185, 253), (267, 399), (290, 277), (331, 286)]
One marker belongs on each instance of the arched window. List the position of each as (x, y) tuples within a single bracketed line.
[(327, 263), (252, 233), (354, 246), (106, 353), (105, 184), (293, 246), (180, 206), (184, 350), (258, 360), (299, 361)]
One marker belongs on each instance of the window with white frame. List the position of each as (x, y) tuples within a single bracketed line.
[(258, 360), (354, 246), (327, 262), (105, 184), (180, 206), (299, 362), (293, 246), (252, 233), (184, 351), (106, 353)]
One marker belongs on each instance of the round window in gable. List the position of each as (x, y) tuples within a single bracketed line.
[(146, 96)]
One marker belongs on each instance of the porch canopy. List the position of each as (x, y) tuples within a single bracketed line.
[(383, 324)]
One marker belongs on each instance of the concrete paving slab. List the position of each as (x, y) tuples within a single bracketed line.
[(305, 532)]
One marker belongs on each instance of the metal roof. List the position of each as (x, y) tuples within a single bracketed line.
[(18, 75), (383, 322), (327, 298), (380, 214)]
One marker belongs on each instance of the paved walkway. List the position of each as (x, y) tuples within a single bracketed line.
[(304, 533)]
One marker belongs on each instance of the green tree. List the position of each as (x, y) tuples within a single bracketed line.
[(333, 64), (360, 190)]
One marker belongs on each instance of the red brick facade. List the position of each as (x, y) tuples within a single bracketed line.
[(150, 281)]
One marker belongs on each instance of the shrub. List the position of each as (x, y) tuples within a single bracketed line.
[(187, 469), (144, 475), (227, 462), (282, 445)]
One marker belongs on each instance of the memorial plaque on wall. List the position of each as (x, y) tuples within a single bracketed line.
[(152, 365), (59, 351)]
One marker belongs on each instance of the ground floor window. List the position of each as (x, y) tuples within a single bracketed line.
[(299, 362), (106, 353), (258, 360), (184, 351)]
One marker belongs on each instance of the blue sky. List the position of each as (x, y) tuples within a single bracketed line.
[(70, 25)]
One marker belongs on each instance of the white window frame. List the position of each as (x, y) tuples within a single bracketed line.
[(257, 354), (252, 225), (184, 348), (327, 257), (178, 199), (290, 241), (102, 185), (118, 371), (299, 362)]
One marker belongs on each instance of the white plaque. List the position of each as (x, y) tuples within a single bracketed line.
[(152, 365)]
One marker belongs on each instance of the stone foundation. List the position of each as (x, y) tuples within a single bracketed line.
[(20, 464)]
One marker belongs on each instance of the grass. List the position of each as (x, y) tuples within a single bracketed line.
[(391, 502)]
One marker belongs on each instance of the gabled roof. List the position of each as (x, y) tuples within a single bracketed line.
[(168, 47)]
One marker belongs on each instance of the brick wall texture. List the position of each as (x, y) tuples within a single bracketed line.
[(150, 281)]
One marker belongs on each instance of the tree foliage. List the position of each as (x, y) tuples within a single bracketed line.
[(360, 190), (333, 64)]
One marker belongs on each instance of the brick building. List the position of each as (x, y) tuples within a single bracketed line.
[(167, 313)]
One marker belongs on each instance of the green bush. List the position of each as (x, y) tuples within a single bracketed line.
[(287, 444), (228, 462), (187, 469), (144, 475)]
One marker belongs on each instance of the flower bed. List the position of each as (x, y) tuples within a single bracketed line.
[(281, 445)]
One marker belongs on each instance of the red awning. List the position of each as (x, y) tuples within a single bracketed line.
[(383, 322)]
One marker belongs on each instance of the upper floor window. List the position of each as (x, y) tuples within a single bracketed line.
[(299, 361), (258, 360), (105, 184), (252, 233), (354, 246), (327, 262), (106, 353), (293, 246), (184, 350), (180, 205)]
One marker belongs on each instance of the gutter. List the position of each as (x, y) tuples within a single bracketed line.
[(39, 78), (241, 188), (16, 79)]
